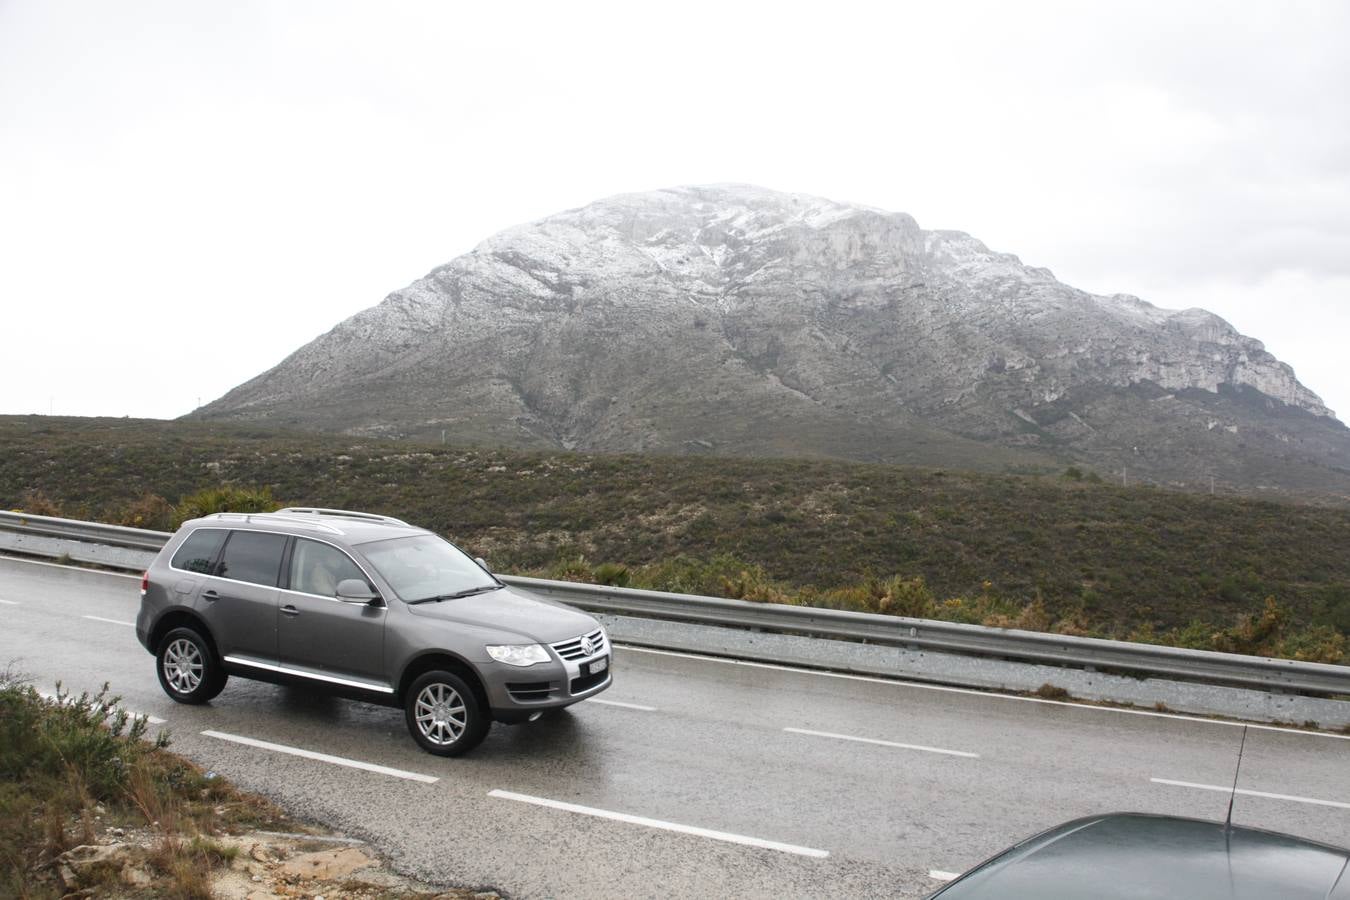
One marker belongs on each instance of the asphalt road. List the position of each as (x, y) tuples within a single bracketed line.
[(716, 778)]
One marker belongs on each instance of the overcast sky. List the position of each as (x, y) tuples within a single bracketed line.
[(190, 191)]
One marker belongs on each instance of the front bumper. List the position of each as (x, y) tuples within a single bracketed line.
[(515, 692)]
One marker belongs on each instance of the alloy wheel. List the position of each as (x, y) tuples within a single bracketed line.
[(183, 666), (440, 714)]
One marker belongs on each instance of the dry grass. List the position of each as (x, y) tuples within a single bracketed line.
[(73, 767)]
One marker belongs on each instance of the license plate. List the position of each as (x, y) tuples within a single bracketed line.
[(595, 668)]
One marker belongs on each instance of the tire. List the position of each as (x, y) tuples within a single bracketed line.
[(187, 667), (444, 715)]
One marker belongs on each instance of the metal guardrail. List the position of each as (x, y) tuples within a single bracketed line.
[(947, 637), (85, 532)]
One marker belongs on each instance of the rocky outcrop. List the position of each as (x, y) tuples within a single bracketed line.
[(740, 320)]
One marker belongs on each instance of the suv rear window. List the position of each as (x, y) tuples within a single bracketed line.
[(198, 550), (252, 556)]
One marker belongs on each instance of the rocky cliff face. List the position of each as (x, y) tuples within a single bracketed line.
[(735, 319)]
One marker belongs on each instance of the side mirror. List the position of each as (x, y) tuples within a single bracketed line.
[(482, 562), (354, 590)]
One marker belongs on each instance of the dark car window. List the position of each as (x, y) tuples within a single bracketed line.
[(318, 568), (198, 550), (252, 556)]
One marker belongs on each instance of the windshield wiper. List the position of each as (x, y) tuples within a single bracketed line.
[(469, 592)]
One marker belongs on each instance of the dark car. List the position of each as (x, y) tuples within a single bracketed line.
[(1133, 856)]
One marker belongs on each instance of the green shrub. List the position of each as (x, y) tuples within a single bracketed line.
[(226, 498), (612, 574), (572, 568), (89, 737)]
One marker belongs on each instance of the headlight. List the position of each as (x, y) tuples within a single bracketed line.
[(518, 654)]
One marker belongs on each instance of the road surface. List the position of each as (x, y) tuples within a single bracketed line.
[(691, 776)]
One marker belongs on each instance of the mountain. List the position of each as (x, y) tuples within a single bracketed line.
[(736, 320)]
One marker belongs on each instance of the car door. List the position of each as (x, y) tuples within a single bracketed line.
[(193, 562), (322, 636), (239, 598)]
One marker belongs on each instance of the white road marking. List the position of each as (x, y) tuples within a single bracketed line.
[(1246, 793), (899, 682), (622, 704), (38, 562), (891, 681), (863, 740), (152, 720), (110, 621), (939, 875), (10, 602), (665, 826), (322, 757)]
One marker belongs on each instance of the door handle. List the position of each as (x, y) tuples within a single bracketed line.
[(289, 610), (212, 596)]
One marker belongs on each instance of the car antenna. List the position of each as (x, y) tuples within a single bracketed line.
[(1232, 795)]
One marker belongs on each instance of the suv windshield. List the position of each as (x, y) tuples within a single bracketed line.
[(426, 567)]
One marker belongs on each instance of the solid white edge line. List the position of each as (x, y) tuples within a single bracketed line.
[(939, 875), (110, 621), (881, 743), (893, 681), (620, 703), (918, 685), (152, 720), (665, 826), (322, 757), (1248, 793), (52, 565)]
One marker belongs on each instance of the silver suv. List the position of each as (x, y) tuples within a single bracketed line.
[(367, 607)]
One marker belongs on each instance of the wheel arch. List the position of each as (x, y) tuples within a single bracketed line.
[(450, 662), (180, 618)]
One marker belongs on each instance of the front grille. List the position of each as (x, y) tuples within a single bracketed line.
[(573, 649), (529, 690), (586, 682)]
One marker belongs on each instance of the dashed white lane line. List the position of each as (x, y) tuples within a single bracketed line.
[(110, 621), (881, 743), (9, 602), (152, 720), (939, 875), (1222, 789), (664, 826), (621, 704), (322, 757), (900, 682)]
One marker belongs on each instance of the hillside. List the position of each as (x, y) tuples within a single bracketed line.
[(1118, 558), (734, 320)]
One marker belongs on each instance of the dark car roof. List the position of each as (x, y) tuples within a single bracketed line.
[(1133, 856)]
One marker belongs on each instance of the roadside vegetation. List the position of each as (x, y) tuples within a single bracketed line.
[(79, 775), (1065, 553), (91, 805)]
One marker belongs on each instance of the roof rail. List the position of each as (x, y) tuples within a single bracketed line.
[(249, 517), (343, 513)]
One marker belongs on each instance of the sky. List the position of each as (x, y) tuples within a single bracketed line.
[(189, 191)]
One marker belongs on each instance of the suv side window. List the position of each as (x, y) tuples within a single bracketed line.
[(252, 556), (197, 552), (317, 568)]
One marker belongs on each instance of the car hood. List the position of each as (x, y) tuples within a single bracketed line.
[(510, 609), (1136, 856)]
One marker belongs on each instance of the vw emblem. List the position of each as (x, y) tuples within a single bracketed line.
[(586, 646)]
